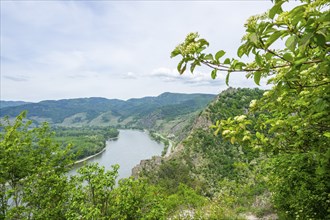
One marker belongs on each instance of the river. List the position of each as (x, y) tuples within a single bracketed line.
[(128, 150)]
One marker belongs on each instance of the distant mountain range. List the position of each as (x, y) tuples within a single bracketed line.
[(146, 112), (4, 104)]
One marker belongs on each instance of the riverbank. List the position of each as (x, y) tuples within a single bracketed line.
[(90, 157), (168, 143), (94, 155)]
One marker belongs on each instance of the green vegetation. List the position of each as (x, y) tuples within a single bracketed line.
[(85, 141), (34, 184), (141, 113), (215, 169), (289, 126), (268, 151), (4, 104), (93, 195), (169, 113), (160, 139), (32, 171)]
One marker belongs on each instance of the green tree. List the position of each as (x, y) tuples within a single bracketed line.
[(290, 124), (184, 199), (94, 194), (32, 171), (34, 182), (136, 199), (91, 193)]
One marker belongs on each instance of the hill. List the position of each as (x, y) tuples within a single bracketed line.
[(213, 167), (4, 104), (167, 112)]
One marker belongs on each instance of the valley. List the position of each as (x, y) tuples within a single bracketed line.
[(86, 124), (197, 172), (167, 113), (257, 148)]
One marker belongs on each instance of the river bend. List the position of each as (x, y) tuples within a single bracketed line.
[(128, 150)]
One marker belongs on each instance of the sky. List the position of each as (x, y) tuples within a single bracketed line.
[(54, 50)]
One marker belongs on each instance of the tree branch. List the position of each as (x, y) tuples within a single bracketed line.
[(227, 69)]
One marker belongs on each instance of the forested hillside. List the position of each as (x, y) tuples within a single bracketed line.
[(214, 167), (4, 104), (166, 112)]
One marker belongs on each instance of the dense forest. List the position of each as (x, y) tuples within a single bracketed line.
[(249, 152), (84, 141)]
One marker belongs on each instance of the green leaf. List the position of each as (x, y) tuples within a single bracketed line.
[(199, 50), (288, 57), (241, 50), (180, 66), (305, 41), (192, 67), (276, 9), (257, 77), (320, 40), (291, 42), (239, 65), (203, 42), (297, 14), (269, 56), (258, 59), (300, 61), (208, 57), (214, 74), (258, 134), (227, 78), (272, 38), (175, 52), (327, 134), (183, 69), (263, 27), (227, 61), (219, 54)]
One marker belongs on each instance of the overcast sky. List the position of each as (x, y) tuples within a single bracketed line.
[(113, 49)]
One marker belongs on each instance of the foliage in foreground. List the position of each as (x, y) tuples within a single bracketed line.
[(32, 168), (289, 125), (34, 182)]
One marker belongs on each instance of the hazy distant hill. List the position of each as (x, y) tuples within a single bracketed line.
[(147, 112), (4, 104)]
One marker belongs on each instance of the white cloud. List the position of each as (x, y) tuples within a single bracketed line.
[(63, 49), (197, 78)]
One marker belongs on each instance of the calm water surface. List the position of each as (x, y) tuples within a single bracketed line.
[(128, 150)]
